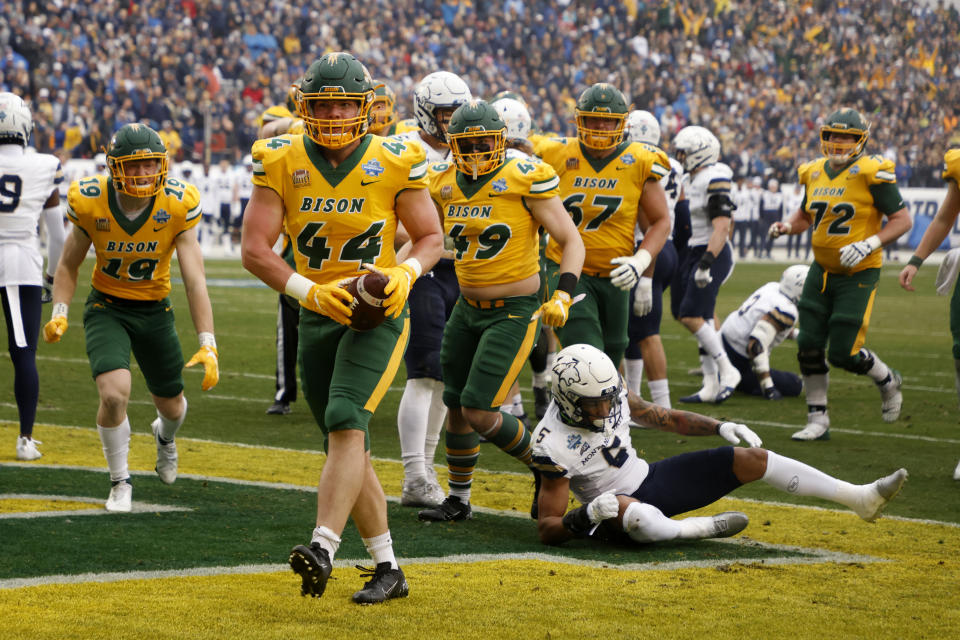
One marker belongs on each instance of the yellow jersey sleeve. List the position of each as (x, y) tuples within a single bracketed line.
[(880, 170), (951, 165)]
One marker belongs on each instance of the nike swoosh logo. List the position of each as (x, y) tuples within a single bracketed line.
[(157, 229), (622, 168), (364, 183)]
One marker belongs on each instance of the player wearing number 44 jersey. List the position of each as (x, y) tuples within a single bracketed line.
[(134, 218), (847, 194)]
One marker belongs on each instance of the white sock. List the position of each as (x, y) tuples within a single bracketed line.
[(463, 494), (168, 428), (412, 415), (815, 386), (551, 356), (633, 368), (380, 549), (516, 408), (435, 420), (797, 478), (879, 371), (709, 340), (660, 392), (327, 539), (116, 447)]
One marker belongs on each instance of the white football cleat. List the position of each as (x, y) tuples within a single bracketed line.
[(166, 466), (877, 494), (892, 397), (27, 448), (707, 394), (729, 379), (956, 472), (721, 525), (421, 493), (121, 497), (818, 427)]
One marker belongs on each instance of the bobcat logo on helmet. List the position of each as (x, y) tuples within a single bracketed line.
[(584, 373)]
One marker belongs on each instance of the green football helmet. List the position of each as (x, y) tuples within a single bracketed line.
[(605, 101), (383, 113), (477, 138), (335, 77), (137, 161), (846, 122)]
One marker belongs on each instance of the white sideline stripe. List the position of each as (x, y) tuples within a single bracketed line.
[(819, 556), (138, 507)]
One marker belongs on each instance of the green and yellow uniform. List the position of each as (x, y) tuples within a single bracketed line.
[(951, 172), (407, 124), (602, 196), (338, 219), (128, 306)]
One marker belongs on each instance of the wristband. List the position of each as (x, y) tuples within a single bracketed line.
[(915, 261), (59, 309), (706, 260), (207, 340), (298, 286), (578, 522), (567, 283), (414, 264)]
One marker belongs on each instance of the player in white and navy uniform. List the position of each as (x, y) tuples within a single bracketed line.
[(223, 181), (583, 445), (421, 413), (709, 258), (771, 210), (28, 191), (244, 183), (645, 349), (763, 321)]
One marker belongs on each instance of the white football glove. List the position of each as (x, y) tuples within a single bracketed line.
[(778, 229), (603, 507), (643, 297), (702, 277), (853, 253), (627, 274), (733, 432)]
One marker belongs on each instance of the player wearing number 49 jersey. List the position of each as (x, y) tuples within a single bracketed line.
[(134, 218), (847, 195)]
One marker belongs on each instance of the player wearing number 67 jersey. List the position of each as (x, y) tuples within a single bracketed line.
[(134, 218), (492, 209), (847, 195), (608, 185)]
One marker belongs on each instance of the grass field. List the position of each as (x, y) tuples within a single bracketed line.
[(810, 573)]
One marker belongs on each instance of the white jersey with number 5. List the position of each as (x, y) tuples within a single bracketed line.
[(26, 182), (767, 299), (593, 462), (716, 179)]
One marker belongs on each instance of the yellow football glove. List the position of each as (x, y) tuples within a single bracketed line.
[(555, 311), (207, 355), (398, 288), (55, 328), (331, 300)]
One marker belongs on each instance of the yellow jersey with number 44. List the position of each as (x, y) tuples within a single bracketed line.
[(602, 195), (339, 218), (133, 256), (951, 166), (494, 237), (848, 205)]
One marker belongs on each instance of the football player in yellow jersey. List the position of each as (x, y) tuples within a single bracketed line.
[(383, 113), (492, 209), (280, 118), (847, 195), (134, 218), (339, 194), (932, 238), (608, 186)]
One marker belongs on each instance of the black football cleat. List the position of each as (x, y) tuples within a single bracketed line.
[(541, 399), (279, 408), (313, 566), (452, 508), (384, 584)]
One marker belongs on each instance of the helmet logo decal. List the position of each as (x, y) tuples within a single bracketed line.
[(567, 372)]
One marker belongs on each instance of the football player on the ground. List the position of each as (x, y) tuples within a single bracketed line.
[(492, 209), (134, 218), (607, 184), (583, 446), (340, 194), (763, 321), (933, 237), (421, 413), (708, 259), (28, 192), (645, 349), (847, 195)]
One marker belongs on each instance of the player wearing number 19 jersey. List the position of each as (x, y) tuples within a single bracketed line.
[(847, 195)]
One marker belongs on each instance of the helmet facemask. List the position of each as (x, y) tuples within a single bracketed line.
[(129, 179), (385, 116), (334, 133), (843, 150), (600, 139), (478, 152)]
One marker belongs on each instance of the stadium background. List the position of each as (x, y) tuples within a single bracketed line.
[(758, 73)]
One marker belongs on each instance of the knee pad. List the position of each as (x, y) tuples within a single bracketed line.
[(645, 523), (859, 363), (812, 362)]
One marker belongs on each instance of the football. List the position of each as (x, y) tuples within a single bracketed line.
[(368, 300)]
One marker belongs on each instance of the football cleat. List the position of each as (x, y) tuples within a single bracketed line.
[(818, 427), (707, 394), (421, 493), (956, 472), (892, 397), (313, 566), (27, 448), (120, 499), (279, 408), (452, 508), (541, 399), (729, 379), (728, 523), (877, 494), (166, 466), (384, 584)]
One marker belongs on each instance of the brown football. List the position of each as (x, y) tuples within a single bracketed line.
[(368, 300)]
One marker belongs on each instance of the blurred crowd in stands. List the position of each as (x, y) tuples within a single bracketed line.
[(758, 73)]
